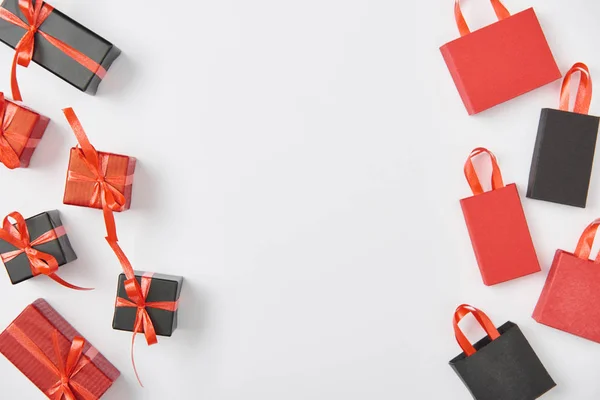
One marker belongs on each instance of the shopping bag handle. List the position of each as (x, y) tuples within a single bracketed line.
[(483, 320), (586, 241), (584, 92), (472, 177), (499, 8)]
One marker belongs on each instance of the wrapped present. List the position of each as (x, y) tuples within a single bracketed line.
[(96, 179), (502, 365), (497, 227), (36, 246), (20, 132), (146, 302), (54, 356), (500, 61), (570, 297), (64, 47), (564, 149), (156, 305)]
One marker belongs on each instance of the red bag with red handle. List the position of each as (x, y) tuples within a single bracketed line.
[(500, 61), (497, 227), (571, 295)]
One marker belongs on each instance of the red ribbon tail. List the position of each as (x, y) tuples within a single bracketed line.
[(58, 279), (137, 376)]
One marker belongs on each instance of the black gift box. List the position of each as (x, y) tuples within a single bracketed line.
[(163, 288), (53, 59), (563, 157), (506, 368), (19, 268)]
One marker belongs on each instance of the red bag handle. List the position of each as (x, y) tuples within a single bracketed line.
[(485, 322), (472, 177), (584, 92), (586, 241), (499, 8)]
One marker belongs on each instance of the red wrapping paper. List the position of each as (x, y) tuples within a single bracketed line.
[(80, 193), (38, 322), (24, 131)]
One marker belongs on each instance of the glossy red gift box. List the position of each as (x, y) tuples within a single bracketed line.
[(571, 295), (33, 343), (497, 227), (118, 171), (22, 130), (500, 61)]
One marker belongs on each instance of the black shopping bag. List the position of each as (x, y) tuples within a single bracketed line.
[(561, 167), (502, 365)]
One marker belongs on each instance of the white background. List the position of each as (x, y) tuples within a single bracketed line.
[(300, 163)]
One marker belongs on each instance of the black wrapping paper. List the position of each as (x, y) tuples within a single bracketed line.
[(504, 369), (563, 157), (54, 60), (163, 288), (19, 268)]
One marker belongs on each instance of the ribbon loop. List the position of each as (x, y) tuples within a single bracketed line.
[(586, 242), (472, 177), (584, 91), (499, 8), (483, 320)]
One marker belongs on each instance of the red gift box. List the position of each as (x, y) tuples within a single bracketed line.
[(570, 298), (501, 61), (497, 227), (44, 346), (21, 131), (96, 179)]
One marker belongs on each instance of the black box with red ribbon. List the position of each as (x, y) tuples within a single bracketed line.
[(158, 297), (44, 237), (61, 45)]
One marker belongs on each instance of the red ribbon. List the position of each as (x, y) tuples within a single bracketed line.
[(64, 387), (586, 241), (463, 28), (35, 16), (137, 299), (8, 155), (461, 312), (104, 186), (471, 175), (584, 92), (41, 263)]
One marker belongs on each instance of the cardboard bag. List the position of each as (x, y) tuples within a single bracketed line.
[(563, 157), (570, 298), (502, 365), (497, 227), (501, 61)]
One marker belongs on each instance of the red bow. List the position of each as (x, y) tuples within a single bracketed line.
[(137, 299), (75, 361), (35, 16), (104, 187), (40, 262), (8, 155)]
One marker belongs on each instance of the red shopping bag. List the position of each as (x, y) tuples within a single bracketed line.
[(497, 227), (501, 61), (571, 295)]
